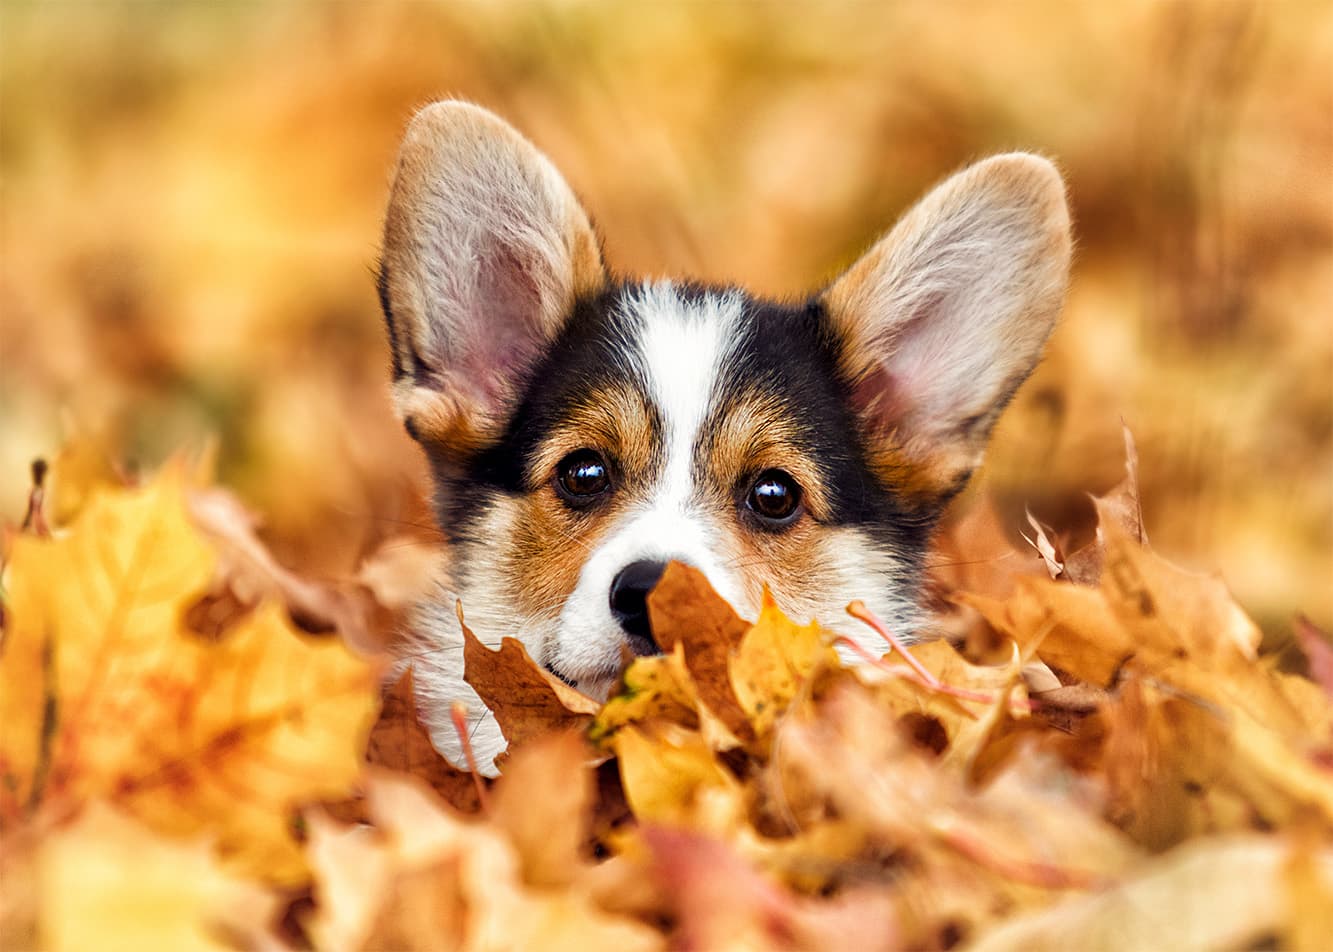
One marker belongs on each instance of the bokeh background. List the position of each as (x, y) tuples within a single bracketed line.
[(192, 196)]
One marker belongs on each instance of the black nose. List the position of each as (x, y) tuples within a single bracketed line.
[(629, 603)]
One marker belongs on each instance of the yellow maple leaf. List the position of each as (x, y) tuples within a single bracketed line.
[(653, 687), (774, 663), (110, 883), (425, 879), (105, 694), (674, 778), (1220, 892)]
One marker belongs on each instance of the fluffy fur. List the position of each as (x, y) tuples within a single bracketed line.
[(514, 349)]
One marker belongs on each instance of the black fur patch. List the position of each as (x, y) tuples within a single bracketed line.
[(788, 352), (791, 353)]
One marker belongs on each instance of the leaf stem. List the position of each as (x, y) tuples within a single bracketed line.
[(458, 714)]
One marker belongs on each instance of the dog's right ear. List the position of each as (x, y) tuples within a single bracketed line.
[(485, 251)]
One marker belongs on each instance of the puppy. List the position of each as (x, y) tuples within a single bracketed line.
[(584, 429)]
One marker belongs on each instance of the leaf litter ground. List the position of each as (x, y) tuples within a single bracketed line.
[(1099, 759)]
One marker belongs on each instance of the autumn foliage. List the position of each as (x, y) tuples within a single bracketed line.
[(1105, 761)]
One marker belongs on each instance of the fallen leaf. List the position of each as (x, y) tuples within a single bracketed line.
[(108, 882), (84, 465), (774, 664), (1044, 546), (656, 687), (719, 901), (105, 696), (543, 804), (673, 778), (526, 701), (428, 880), (398, 741), (249, 574), (684, 609), (1119, 507), (1222, 892)]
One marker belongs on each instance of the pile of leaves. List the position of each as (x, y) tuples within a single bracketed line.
[(192, 756)]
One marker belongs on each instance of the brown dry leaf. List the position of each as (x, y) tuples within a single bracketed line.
[(1179, 765), (103, 695), (526, 701), (1120, 507), (972, 554), (247, 574), (107, 882), (1035, 825), (399, 742), (426, 880), (543, 803), (1144, 608), (906, 697), (397, 576), (684, 609), (1223, 892), (1160, 770), (718, 901), (1050, 554), (776, 663)]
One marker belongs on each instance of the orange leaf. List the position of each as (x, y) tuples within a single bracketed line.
[(526, 701)]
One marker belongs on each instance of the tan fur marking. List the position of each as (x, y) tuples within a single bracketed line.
[(613, 420), (755, 434), (547, 548), (551, 542)]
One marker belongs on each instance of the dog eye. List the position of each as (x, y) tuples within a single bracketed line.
[(775, 496), (582, 475)]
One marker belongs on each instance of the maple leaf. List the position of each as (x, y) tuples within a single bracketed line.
[(106, 695), (903, 696), (423, 879), (399, 742), (657, 687), (526, 701), (1216, 893), (684, 609), (775, 663), (109, 882), (672, 777)]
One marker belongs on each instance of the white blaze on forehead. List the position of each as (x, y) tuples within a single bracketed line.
[(680, 346)]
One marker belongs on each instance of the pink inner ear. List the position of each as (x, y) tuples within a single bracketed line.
[(503, 328), (882, 399)]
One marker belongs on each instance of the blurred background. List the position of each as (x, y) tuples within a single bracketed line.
[(192, 195)]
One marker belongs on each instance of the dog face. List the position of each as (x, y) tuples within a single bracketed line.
[(584, 431)]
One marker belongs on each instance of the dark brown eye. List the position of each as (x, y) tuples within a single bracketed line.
[(582, 475), (775, 497)]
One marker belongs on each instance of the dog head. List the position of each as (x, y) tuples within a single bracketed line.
[(584, 430)]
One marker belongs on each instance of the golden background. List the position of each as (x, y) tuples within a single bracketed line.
[(192, 197)]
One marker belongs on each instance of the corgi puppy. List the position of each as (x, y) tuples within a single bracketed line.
[(584, 429)]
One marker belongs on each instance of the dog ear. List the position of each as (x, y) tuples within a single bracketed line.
[(485, 251), (947, 314)]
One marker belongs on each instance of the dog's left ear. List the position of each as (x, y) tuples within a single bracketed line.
[(945, 316), (486, 250)]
